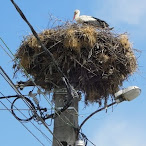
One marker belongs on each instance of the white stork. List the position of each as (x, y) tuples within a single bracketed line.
[(84, 19)]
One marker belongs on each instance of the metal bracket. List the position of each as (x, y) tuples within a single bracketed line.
[(69, 108)]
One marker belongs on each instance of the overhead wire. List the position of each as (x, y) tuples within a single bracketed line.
[(5, 51), (35, 34), (44, 96), (24, 125), (56, 112), (41, 119), (48, 139), (6, 77), (19, 93), (44, 123), (70, 89), (6, 46), (69, 123), (47, 127)]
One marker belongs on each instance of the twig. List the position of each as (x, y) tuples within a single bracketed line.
[(84, 66)]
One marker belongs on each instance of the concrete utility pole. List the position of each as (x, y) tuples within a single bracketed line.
[(63, 124)]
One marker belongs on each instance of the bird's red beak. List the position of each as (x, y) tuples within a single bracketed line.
[(74, 17)]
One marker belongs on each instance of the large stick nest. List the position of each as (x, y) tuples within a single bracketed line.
[(96, 61)]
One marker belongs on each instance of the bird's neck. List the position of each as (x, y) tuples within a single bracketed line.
[(77, 15)]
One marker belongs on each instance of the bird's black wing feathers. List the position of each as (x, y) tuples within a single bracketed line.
[(101, 22)]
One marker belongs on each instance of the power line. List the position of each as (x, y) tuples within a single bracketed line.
[(6, 46), (56, 111), (50, 130), (6, 77), (71, 91), (24, 125), (26, 117), (16, 109), (5, 51), (19, 93), (45, 124)]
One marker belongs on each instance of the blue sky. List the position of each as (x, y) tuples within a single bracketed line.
[(125, 126)]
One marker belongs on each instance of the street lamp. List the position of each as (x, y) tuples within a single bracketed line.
[(127, 94)]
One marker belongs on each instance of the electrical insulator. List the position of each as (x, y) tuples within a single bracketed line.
[(33, 95), (79, 143), (21, 86), (35, 100)]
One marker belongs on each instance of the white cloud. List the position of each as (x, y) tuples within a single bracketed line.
[(129, 11), (120, 133)]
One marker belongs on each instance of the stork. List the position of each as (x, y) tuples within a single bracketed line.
[(84, 19)]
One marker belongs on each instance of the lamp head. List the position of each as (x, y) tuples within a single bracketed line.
[(127, 94)]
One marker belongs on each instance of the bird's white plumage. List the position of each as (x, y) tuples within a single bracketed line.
[(84, 18), (89, 20)]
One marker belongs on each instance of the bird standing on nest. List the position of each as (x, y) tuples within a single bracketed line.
[(84, 19)]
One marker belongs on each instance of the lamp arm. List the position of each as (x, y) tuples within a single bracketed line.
[(95, 113)]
